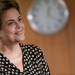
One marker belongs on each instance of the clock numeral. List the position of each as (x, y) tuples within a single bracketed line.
[(38, 3), (40, 26), (62, 13), (36, 22), (61, 10), (34, 9), (60, 20), (46, 1), (34, 15), (59, 7), (48, 28), (56, 25)]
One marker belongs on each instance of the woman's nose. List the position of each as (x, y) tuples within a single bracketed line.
[(18, 25)]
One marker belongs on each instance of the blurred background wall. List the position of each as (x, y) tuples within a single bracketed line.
[(59, 49)]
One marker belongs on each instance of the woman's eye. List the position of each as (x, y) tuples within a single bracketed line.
[(10, 23), (20, 19)]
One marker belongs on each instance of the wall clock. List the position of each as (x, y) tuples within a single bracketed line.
[(47, 16)]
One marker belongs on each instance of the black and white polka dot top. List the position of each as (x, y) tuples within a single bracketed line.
[(34, 62)]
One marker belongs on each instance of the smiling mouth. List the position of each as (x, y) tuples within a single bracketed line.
[(20, 32)]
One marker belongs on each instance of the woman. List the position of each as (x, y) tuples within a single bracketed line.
[(17, 58)]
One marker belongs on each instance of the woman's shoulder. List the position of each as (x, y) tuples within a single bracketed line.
[(31, 48)]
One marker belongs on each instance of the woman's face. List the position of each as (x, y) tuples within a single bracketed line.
[(12, 27)]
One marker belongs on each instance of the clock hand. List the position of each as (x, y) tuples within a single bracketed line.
[(48, 11)]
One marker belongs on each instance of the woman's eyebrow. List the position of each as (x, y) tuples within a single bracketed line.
[(12, 19), (19, 16)]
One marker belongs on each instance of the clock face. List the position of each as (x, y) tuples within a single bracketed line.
[(47, 16)]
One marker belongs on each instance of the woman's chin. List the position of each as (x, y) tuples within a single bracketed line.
[(20, 39)]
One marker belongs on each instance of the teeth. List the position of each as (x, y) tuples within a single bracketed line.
[(19, 32)]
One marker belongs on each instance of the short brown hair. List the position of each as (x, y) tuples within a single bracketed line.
[(7, 4)]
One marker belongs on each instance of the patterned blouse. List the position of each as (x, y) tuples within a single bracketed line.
[(34, 62)]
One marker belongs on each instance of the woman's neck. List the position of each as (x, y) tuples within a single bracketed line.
[(10, 51)]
